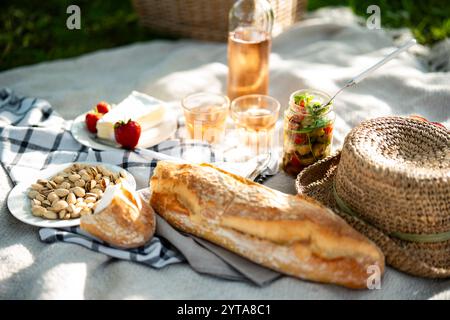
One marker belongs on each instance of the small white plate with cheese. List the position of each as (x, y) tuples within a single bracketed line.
[(156, 120)]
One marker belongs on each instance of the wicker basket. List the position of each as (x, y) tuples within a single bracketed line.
[(206, 19)]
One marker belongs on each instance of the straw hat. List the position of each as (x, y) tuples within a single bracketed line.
[(391, 182)]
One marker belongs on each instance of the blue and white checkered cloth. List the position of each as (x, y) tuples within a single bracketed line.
[(33, 137)]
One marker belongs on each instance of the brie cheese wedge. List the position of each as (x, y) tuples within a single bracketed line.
[(139, 107)]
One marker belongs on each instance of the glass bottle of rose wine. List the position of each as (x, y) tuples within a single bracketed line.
[(249, 42)]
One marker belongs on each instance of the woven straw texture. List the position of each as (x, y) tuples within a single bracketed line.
[(401, 166), (206, 19), (395, 174)]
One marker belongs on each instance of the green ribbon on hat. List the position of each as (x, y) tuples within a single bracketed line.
[(413, 237)]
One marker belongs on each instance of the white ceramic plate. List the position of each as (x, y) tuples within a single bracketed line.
[(148, 138), (19, 203)]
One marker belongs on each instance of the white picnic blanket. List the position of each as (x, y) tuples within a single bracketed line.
[(322, 53)]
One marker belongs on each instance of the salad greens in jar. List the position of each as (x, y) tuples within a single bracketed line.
[(308, 130)]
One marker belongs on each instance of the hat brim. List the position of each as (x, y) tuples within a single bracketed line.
[(414, 258)]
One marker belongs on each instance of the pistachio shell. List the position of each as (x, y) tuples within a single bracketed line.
[(62, 192), (37, 186), (79, 192), (68, 169), (50, 215), (46, 203), (71, 207), (65, 185), (38, 211), (59, 205), (71, 198), (74, 177), (80, 183), (92, 184), (46, 191), (52, 196), (93, 171), (42, 181), (90, 199), (40, 197), (102, 170), (75, 215), (51, 185), (58, 179), (86, 177), (32, 194), (98, 192), (80, 205), (105, 182), (62, 214)]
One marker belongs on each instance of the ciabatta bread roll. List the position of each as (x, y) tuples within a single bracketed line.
[(290, 234), (121, 218)]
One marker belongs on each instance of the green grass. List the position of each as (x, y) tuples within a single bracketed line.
[(34, 31), (429, 20)]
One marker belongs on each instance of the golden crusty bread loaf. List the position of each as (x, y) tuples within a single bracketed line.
[(121, 218), (291, 234)]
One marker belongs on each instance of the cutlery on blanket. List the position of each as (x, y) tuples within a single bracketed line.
[(261, 167), (365, 73)]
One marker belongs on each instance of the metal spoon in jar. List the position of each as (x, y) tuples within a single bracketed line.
[(365, 73)]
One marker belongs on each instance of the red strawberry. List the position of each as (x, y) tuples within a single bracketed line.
[(103, 107), (91, 120), (127, 133)]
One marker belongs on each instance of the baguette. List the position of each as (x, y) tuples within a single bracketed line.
[(121, 218), (291, 234)]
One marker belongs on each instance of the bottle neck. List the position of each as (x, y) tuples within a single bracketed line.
[(256, 14)]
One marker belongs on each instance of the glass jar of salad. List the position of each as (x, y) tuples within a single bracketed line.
[(308, 130)]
